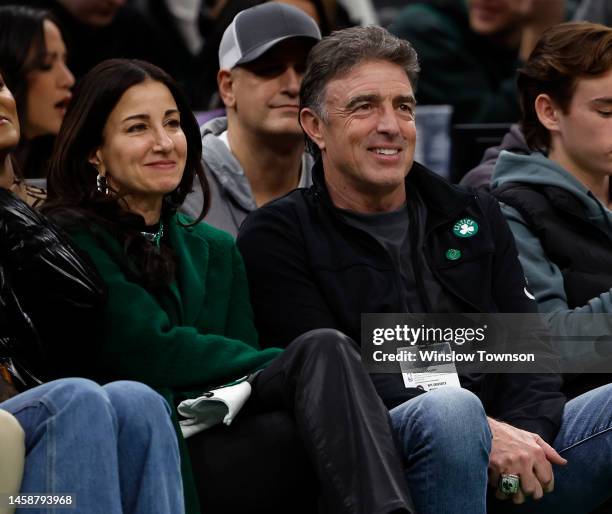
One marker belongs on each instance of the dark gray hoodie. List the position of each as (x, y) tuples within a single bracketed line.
[(545, 278)]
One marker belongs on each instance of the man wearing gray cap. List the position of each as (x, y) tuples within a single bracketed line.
[(256, 153)]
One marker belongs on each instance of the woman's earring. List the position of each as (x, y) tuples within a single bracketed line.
[(102, 184)]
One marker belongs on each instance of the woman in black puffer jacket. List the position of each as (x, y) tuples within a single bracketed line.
[(80, 438)]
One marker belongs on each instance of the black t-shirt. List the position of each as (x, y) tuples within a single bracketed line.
[(392, 231), (401, 233)]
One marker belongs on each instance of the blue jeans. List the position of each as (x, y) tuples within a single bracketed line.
[(585, 440), (446, 442), (113, 447)]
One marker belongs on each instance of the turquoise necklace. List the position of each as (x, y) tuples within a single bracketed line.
[(156, 237)]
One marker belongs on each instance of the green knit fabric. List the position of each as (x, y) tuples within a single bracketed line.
[(185, 338)]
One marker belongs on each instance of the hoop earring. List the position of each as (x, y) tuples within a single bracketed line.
[(101, 184)]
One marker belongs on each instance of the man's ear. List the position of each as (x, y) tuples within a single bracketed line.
[(547, 112), (225, 83), (312, 125)]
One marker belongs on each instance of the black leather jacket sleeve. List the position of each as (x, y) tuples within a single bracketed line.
[(51, 294)]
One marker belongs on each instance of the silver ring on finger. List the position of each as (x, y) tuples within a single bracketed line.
[(509, 484)]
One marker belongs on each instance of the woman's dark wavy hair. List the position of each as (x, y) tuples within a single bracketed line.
[(564, 54), (72, 193), (22, 48)]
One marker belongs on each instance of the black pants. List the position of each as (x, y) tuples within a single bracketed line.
[(257, 465), (341, 420)]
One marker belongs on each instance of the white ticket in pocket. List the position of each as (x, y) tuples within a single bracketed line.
[(428, 376)]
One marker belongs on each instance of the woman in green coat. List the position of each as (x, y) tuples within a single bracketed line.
[(178, 315)]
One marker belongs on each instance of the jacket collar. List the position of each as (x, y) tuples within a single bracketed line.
[(444, 200), (225, 168)]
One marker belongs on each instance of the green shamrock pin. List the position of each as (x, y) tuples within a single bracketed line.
[(452, 254), (465, 227)]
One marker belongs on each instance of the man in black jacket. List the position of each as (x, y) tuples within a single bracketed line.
[(379, 233)]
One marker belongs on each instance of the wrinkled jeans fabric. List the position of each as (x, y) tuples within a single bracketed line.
[(585, 440), (113, 447), (446, 442)]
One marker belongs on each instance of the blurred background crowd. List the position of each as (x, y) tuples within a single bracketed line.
[(469, 53)]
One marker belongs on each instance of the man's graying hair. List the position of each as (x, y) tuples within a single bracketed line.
[(336, 54)]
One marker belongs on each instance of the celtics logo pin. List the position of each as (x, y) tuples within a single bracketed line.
[(465, 227), (452, 254)]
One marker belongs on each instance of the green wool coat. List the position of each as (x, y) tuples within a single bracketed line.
[(183, 339)]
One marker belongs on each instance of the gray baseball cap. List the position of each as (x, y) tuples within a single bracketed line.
[(254, 31)]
